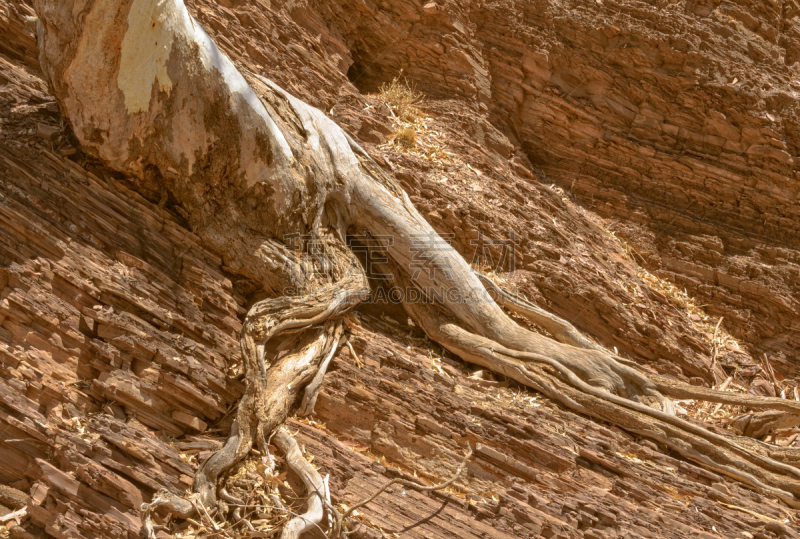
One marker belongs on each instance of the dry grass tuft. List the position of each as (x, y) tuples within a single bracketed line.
[(411, 133), (406, 136), (402, 99)]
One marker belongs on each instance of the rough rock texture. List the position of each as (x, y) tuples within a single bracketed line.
[(118, 330), (678, 119)]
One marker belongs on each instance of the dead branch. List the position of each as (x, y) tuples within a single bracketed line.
[(771, 375), (17, 515), (714, 350), (406, 483)]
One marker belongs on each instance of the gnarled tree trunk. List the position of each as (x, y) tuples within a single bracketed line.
[(147, 91)]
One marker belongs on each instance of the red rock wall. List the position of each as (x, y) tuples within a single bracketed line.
[(678, 119), (118, 329)]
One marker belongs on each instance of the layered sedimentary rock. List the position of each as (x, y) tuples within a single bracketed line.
[(117, 334), (118, 329), (679, 119)]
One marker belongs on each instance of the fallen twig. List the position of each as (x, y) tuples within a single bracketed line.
[(714, 350), (771, 374), (405, 483), (759, 516), (723, 387), (15, 515), (202, 510), (353, 351)]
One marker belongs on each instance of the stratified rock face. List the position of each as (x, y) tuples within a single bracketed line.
[(118, 330), (678, 118), (666, 103)]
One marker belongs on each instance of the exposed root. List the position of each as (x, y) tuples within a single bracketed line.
[(237, 446), (316, 487), (274, 316), (676, 389), (559, 328), (272, 389), (728, 455), (599, 385), (313, 387), (681, 390), (171, 502)]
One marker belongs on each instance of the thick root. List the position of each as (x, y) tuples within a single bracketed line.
[(265, 405), (274, 316), (560, 329), (681, 390), (273, 389), (235, 449), (595, 367), (739, 458), (724, 454), (648, 414), (564, 332)]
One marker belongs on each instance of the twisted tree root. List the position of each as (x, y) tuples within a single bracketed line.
[(288, 168), (269, 397), (316, 487), (563, 331), (715, 452), (735, 457), (313, 387)]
